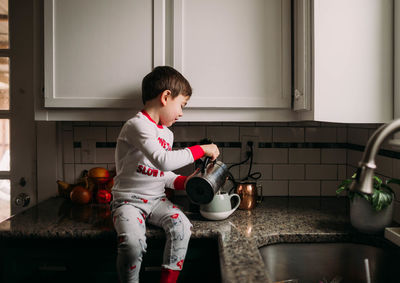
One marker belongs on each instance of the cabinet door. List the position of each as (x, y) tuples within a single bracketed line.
[(397, 63), (353, 61), (235, 53), (97, 51)]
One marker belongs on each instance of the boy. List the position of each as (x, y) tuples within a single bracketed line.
[(144, 161)]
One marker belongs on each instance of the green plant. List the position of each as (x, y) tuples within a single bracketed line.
[(382, 196)]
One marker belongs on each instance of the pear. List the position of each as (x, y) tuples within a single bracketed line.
[(64, 189)]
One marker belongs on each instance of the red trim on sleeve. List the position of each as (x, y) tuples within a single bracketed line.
[(197, 151), (179, 183), (144, 112)]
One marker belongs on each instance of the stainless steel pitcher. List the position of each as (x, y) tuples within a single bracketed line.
[(202, 187)]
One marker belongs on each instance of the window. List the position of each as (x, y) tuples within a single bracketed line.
[(5, 209)]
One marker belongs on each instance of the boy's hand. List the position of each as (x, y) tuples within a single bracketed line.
[(210, 150)]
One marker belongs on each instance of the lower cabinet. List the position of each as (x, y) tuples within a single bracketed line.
[(201, 262), (34, 260)]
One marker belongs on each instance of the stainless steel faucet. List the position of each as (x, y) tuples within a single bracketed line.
[(365, 172)]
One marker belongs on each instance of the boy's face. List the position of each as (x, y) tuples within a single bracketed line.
[(172, 109)]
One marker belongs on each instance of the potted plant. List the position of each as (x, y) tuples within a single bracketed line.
[(370, 213)]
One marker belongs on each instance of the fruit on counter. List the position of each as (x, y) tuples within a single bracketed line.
[(63, 185), (99, 174), (64, 189), (103, 196), (80, 195)]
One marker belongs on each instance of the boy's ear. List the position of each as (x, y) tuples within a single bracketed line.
[(165, 95)]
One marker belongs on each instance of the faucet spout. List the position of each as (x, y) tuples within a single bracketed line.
[(365, 172)]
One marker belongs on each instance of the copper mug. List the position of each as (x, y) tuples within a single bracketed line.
[(248, 192)]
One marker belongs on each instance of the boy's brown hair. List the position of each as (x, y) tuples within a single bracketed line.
[(164, 78)]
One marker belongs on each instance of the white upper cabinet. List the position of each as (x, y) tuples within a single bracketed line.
[(345, 65), (235, 53), (397, 61), (97, 52)]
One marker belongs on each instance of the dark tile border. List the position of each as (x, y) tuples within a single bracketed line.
[(301, 145), (382, 152)]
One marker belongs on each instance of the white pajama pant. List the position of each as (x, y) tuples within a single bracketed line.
[(130, 216)]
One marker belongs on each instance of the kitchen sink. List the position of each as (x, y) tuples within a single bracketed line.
[(330, 262)]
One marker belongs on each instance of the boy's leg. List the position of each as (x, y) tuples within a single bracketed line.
[(178, 230), (129, 223)]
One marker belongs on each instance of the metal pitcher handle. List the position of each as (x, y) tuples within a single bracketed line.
[(205, 163), (260, 196)]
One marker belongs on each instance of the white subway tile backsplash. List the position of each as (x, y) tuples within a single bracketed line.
[(69, 173), (264, 169), (231, 154), (235, 171), (328, 188), (105, 155), (364, 126), (68, 147), (333, 156), (357, 136), (288, 134), (384, 165), (66, 126), (274, 188), (241, 124), (112, 133), (304, 155), (88, 151), (80, 124), (353, 157), (191, 134), (396, 168), (306, 124), (342, 173), (271, 155), (288, 172), (94, 133), (321, 172), (304, 188), (396, 189), (106, 124), (111, 166), (341, 135), (396, 214), (223, 134), (325, 135), (272, 124), (77, 154), (351, 170), (264, 134), (331, 124)]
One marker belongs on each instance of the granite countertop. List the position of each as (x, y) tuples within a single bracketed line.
[(275, 220)]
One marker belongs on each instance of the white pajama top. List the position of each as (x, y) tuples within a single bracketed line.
[(145, 160)]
